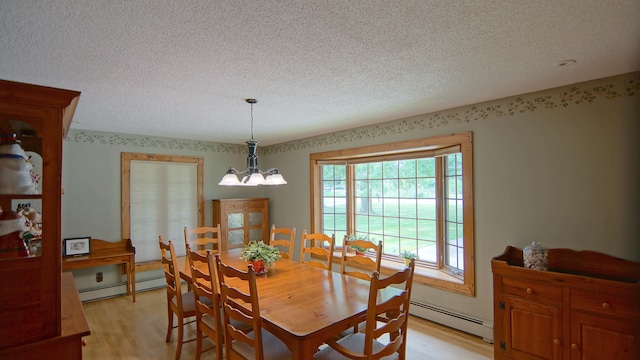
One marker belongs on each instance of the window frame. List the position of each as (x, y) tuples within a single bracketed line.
[(441, 278)]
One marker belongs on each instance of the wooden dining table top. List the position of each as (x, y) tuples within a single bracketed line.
[(301, 304)]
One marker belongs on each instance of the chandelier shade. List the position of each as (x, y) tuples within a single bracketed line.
[(252, 175)]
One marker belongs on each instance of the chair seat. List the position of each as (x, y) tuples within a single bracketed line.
[(189, 302), (274, 348), (211, 322), (352, 330), (353, 342), (208, 321)]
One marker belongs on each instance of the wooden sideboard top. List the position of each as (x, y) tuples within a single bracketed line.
[(74, 321), (103, 249), (582, 263)]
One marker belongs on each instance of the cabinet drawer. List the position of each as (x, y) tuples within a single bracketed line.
[(532, 290), (246, 205), (604, 303)]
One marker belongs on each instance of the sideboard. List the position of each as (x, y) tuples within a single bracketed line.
[(103, 252), (586, 306)]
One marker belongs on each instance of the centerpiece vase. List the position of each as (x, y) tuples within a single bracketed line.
[(258, 266)]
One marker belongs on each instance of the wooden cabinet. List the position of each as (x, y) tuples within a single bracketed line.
[(587, 306), (241, 220), (68, 345), (31, 305)]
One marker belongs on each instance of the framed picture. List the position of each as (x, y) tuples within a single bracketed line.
[(76, 246)]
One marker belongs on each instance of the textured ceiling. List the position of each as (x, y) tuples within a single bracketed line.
[(183, 68)]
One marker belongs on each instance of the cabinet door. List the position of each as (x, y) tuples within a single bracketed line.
[(29, 226), (255, 223), (595, 337), (532, 330), (236, 229)]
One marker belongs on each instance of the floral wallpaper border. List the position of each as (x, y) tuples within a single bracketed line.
[(588, 92), (107, 138)]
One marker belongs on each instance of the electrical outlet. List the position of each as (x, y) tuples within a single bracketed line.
[(99, 277)]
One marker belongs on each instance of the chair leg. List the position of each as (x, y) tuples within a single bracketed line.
[(219, 345), (170, 322), (199, 342), (180, 333)]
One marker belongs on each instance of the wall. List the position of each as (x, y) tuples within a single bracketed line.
[(558, 166), (91, 182)]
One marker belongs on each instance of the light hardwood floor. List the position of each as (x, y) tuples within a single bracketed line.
[(121, 329)]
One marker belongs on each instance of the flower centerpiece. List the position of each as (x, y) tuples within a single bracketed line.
[(358, 249), (408, 255), (260, 255)]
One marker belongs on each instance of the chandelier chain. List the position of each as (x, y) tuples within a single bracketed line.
[(251, 102), (251, 121)]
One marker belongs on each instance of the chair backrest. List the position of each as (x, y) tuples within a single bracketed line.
[(204, 283), (241, 307), (319, 255), (284, 239), (394, 310), (171, 272), (203, 238), (207, 300), (361, 266)]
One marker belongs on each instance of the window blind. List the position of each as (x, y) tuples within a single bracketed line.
[(164, 199)]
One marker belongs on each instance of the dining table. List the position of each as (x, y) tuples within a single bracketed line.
[(301, 304)]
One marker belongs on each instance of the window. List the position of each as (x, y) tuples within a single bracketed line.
[(161, 194), (413, 195)]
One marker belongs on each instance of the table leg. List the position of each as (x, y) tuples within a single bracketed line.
[(133, 279)]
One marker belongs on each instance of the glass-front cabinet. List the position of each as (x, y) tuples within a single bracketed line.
[(33, 123), (241, 220)]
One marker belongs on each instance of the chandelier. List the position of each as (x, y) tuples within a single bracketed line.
[(252, 175)]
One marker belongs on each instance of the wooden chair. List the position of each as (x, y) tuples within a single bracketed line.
[(361, 266), (205, 238), (317, 250), (244, 307), (180, 304), (396, 310), (207, 302), (284, 239)]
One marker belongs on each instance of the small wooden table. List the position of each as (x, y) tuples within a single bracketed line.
[(303, 305), (108, 253)]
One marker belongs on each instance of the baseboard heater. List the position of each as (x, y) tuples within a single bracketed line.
[(118, 289), (481, 328)]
